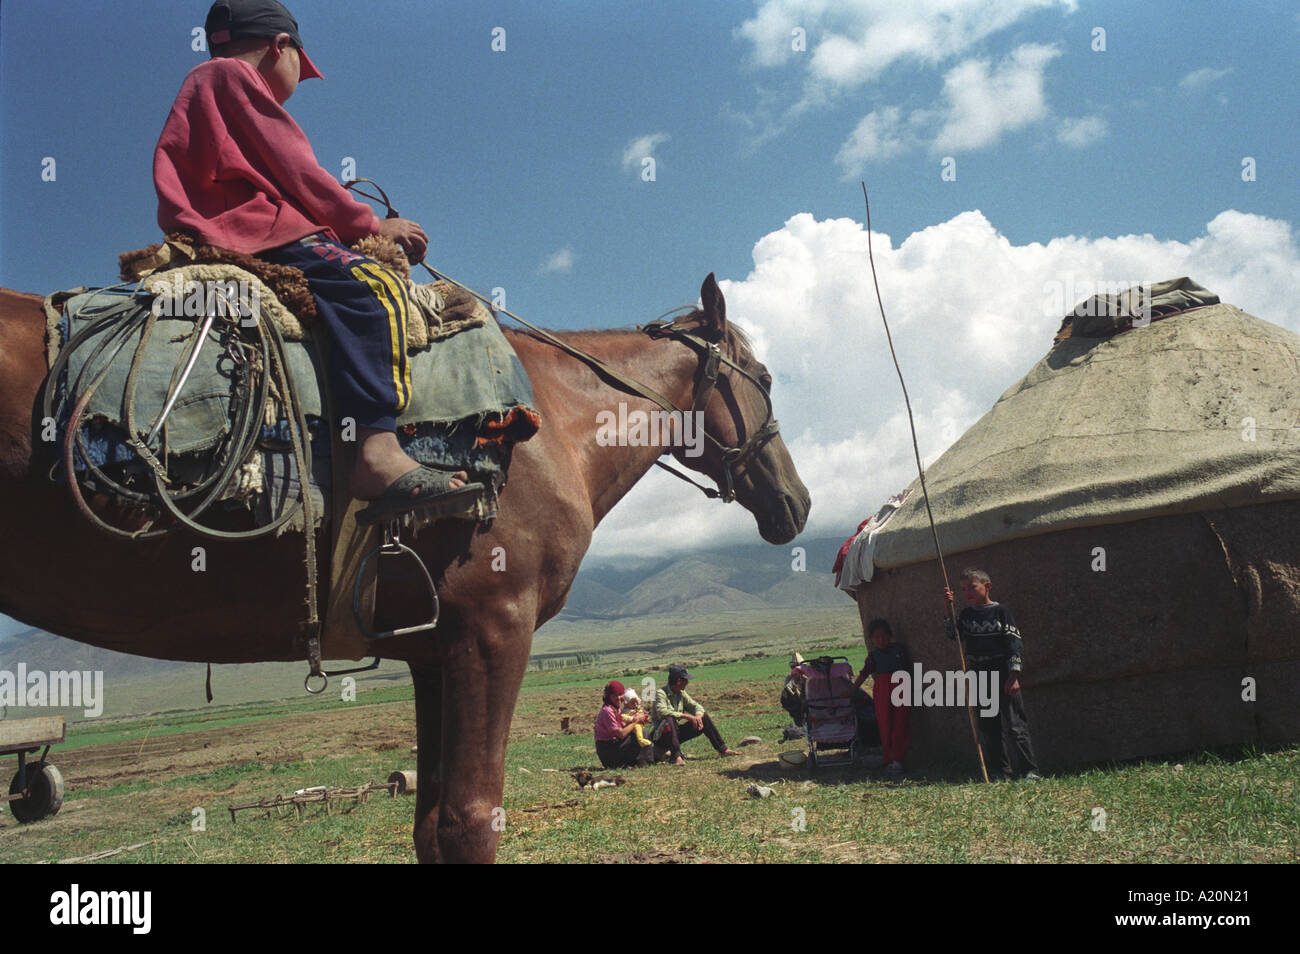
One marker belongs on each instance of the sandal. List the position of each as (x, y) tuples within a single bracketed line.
[(425, 490)]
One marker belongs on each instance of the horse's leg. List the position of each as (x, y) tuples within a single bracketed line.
[(484, 669), (428, 741)]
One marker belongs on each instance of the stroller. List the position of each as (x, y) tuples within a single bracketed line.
[(831, 720)]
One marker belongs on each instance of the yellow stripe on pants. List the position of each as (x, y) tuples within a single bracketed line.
[(393, 297), (398, 289)]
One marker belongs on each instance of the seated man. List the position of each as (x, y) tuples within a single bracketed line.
[(678, 718), (235, 169), (792, 695)]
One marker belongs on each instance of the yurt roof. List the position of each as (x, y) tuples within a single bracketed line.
[(1194, 411)]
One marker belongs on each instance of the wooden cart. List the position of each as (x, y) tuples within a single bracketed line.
[(37, 790)]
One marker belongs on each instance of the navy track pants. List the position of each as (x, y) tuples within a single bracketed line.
[(364, 307)]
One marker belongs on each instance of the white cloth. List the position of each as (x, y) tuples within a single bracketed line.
[(859, 563)]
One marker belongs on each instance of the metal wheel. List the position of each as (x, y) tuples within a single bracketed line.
[(44, 793)]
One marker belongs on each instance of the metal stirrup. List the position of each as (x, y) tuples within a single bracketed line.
[(392, 546)]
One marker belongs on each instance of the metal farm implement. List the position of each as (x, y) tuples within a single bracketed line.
[(36, 791)]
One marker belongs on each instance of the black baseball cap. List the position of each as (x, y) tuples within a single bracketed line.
[(676, 672), (234, 19)]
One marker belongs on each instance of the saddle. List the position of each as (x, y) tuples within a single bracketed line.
[(187, 414), (180, 262)]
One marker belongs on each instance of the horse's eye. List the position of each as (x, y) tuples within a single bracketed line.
[(767, 383)]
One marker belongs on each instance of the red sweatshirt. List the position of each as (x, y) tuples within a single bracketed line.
[(233, 167)]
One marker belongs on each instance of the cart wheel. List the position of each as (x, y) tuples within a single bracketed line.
[(44, 793)]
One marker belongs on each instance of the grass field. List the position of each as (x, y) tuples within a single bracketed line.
[(138, 782)]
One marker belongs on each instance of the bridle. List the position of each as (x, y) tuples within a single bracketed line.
[(706, 379), (711, 357)]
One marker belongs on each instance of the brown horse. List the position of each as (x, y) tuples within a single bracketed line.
[(146, 597)]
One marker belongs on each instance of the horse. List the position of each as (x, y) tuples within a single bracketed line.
[(498, 582)]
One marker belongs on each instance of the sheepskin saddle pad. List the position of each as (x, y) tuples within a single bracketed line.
[(471, 399), (180, 263)]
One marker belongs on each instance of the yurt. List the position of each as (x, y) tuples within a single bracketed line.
[(1135, 499)]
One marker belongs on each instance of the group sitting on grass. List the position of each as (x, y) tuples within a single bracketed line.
[(674, 718)]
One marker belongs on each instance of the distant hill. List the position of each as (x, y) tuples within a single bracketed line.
[(744, 576), (40, 650), (135, 685), (10, 628)]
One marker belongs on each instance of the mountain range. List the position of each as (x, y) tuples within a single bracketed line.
[(706, 581)]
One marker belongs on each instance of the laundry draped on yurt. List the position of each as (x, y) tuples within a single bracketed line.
[(1136, 500)]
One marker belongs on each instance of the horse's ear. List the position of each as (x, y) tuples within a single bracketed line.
[(715, 308)]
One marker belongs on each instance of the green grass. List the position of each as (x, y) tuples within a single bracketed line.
[(1211, 809), (1239, 806)]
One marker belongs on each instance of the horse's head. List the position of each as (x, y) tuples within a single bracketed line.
[(743, 452)]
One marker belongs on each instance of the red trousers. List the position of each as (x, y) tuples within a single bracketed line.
[(894, 721)]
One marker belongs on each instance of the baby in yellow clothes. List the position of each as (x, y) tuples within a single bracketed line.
[(631, 706)]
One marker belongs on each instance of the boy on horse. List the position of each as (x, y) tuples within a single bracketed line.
[(234, 168)]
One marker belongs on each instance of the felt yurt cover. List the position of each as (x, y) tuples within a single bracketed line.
[(1121, 420)]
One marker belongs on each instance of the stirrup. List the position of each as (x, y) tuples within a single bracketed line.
[(392, 546)]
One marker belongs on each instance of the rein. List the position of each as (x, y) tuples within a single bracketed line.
[(711, 357)]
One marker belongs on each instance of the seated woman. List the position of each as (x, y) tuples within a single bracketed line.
[(616, 743)]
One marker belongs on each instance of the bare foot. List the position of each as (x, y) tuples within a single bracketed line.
[(726, 753), (380, 461), (679, 761)]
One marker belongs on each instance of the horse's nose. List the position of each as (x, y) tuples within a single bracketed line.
[(798, 502), (800, 507), (786, 518)]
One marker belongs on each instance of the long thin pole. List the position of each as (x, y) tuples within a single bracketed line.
[(952, 613)]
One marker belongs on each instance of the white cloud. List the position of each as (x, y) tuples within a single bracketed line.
[(983, 102), (853, 41), (970, 313), (559, 261), (1081, 132), (1198, 79), (878, 136), (641, 147)]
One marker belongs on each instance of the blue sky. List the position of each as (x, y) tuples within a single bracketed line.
[(1072, 163)]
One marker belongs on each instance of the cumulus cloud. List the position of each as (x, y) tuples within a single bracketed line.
[(559, 261), (983, 101), (970, 313), (853, 41), (1199, 79), (839, 47), (1081, 132), (641, 147)]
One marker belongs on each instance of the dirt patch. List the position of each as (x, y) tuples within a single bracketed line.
[(275, 740)]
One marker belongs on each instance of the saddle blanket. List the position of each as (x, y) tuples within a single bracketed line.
[(471, 398)]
